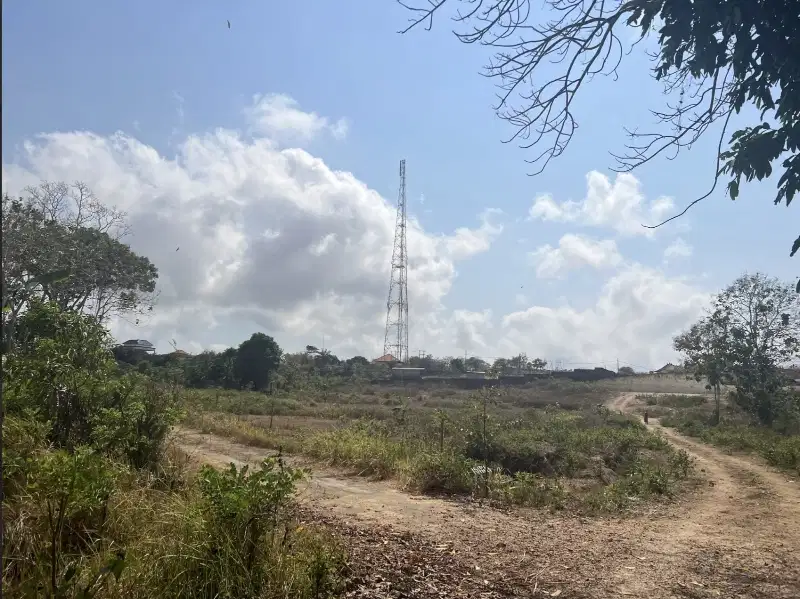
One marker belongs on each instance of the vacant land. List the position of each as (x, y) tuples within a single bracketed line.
[(737, 534), (547, 444)]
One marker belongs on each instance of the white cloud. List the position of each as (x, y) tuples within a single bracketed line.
[(274, 240), (269, 239), (634, 318), (467, 242), (472, 331), (279, 116), (619, 205), (677, 249), (574, 251)]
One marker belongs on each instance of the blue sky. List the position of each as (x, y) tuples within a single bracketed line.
[(164, 72)]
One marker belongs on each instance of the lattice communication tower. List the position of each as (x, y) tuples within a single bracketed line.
[(396, 339)]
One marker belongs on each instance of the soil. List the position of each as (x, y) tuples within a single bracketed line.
[(736, 535)]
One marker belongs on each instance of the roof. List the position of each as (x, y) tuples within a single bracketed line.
[(385, 358), (139, 342), (669, 367)]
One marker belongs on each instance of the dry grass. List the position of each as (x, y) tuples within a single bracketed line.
[(550, 443), (656, 383)]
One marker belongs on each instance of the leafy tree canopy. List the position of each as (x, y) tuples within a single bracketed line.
[(256, 360), (715, 57), (63, 229), (752, 329)]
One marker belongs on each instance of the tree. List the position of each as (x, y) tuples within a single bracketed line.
[(358, 360), (256, 360), (762, 318), (457, 365), (626, 371), (752, 329), (538, 364), (43, 235), (500, 365), (476, 364), (706, 352), (717, 57), (519, 362)]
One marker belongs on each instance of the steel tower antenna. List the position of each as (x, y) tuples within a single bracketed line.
[(396, 339)]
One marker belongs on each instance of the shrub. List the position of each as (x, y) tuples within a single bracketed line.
[(438, 472), (58, 516), (62, 372)]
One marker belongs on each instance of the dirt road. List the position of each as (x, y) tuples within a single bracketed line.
[(737, 536)]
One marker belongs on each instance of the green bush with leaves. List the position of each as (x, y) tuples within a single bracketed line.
[(59, 516), (62, 371)]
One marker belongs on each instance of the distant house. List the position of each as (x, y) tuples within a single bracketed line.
[(179, 354), (139, 345), (669, 368), (387, 359), (404, 374)]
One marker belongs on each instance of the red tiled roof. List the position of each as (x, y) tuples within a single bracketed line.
[(386, 358)]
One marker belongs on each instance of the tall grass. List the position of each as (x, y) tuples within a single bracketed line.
[(735, 433), (81, 525), (587, 460)]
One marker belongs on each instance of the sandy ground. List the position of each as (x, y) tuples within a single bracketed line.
[(738, 535)]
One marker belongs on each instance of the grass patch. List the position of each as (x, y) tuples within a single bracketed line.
[(736, 434), (679, 402), (81, 524), (589, 460)]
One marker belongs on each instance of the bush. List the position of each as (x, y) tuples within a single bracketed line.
[(438, 473), (58, 516), (63, 373), (780, 450)]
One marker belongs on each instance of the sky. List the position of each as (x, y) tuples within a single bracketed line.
[(267, 153)]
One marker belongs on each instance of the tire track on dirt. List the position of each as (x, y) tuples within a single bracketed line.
[(738, 536), (747, 517)]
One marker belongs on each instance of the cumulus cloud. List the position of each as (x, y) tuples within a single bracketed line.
[(467, 242), (472, 331), (574, 251), (619, 205), (280, 117), (634, 318), (677, 249), (269, 238), (274, 240)]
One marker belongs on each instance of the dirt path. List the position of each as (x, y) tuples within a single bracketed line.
[(746, 521), (738, 536)]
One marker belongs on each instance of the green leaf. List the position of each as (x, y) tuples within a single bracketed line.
[(116, 565), (733, 189)]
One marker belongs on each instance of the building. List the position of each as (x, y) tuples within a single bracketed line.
[(388, 360), (669, 368), (475, 374), (405, 374), (139, 345)]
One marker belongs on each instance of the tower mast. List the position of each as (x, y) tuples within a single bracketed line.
[(396, 337)]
